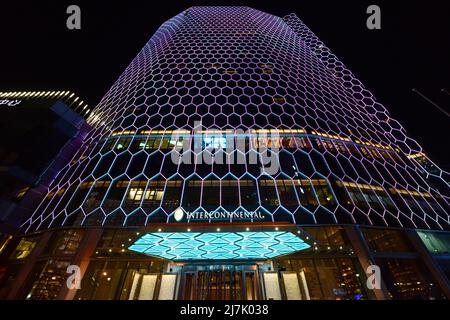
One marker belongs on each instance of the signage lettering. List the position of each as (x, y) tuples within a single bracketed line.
[(218, 215), (10, 103)]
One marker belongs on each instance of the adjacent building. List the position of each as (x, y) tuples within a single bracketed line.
[(41, 131), (237, 158), (35, 126)]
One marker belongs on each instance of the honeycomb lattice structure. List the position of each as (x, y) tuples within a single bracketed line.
[(342, 158)]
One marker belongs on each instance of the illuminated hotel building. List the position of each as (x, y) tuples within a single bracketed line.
[(350, 190)]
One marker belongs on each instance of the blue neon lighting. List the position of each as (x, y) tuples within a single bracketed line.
[(219, 246)]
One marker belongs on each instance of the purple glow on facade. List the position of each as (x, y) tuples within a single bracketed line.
[(343, 159)]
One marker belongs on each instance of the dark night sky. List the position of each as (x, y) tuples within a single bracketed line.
[(412, 50)]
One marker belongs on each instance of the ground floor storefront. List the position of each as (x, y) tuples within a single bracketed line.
[(227, 262)]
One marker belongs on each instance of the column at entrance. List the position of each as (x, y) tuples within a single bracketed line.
[(82, 259)]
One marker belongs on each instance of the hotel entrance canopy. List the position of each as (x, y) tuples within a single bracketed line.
[(260, 244)]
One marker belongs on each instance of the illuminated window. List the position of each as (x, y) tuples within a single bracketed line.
[(436, 242), (267, 141), (410, 279), (140, 143), (305, 192), (89, 184), (169, 142), (153, 142), (275, 141), (4, 243), (384, 198), (266, 68), (64, 242), (172, 195), (50, 281), (115, 195), (331, 278), (211, 194), (24, 248), (268, 193), (123, 143), (165, 143), (143, 145), (319, 144), (97, 193), (341, 147), (154, 192), (303, 143), (230, 194), (374, 152), (214, 142), (230, 71), (366, 153), (137, 191), (362, 194), (192, 194), (249, 194), (386, 156), (286, 192), (329, 145), (288, 142), (323, 192), (384, 240), (213, 66), (22, 193), (279, 100), (358, 198)]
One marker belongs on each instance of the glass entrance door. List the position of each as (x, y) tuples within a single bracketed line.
[(219, 283)]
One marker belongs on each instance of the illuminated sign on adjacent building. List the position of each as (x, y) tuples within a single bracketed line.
[(10, 103)]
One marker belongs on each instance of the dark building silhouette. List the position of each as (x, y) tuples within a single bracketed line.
[(40, 130)]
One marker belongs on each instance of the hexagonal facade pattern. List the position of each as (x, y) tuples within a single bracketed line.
[(342, 158)]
